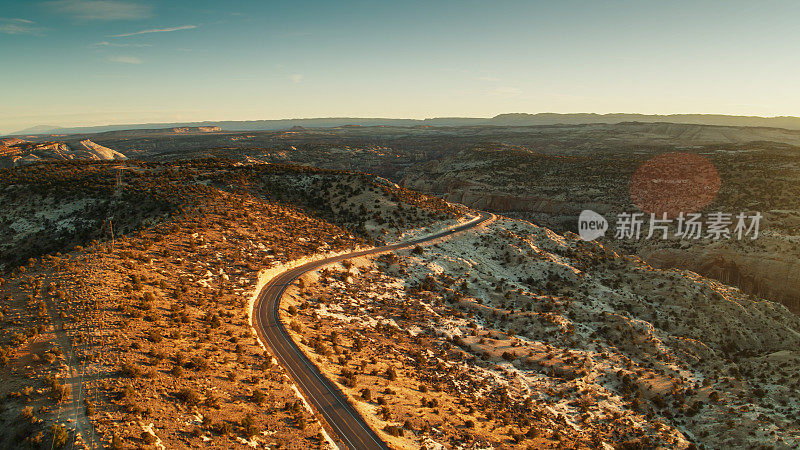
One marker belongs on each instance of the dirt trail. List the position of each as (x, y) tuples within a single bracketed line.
[(74, 411)]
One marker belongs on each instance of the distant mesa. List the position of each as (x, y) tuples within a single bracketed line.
[(501, 120), (196, 129), (37, 130)]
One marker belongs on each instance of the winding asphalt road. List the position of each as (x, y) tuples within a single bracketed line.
[(343, 419)]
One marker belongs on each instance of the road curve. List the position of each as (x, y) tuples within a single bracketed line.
[(343, 419)]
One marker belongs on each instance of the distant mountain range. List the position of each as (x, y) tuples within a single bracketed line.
[(513, 119)]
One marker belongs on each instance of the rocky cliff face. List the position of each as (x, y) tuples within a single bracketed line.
[(768, 274), (97, 151), (481, 197), (16, 152)]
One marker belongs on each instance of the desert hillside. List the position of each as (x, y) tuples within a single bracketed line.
[(127, 287), (143, 339), (514, 336)]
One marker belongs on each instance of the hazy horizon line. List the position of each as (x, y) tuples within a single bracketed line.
[(29, 130)]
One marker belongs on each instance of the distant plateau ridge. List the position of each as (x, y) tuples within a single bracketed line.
[(511, 119)]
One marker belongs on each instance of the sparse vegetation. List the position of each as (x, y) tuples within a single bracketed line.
[(164, 308)]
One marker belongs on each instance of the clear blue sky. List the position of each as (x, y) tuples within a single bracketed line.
[(87, 62)]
